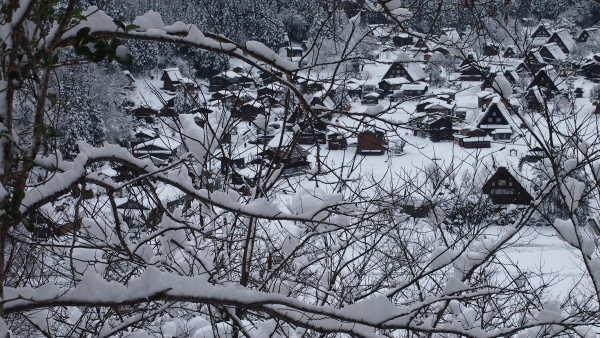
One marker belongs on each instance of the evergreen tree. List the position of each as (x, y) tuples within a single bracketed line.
[(90, 107)]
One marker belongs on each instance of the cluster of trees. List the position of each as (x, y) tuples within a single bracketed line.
[(338, 258)]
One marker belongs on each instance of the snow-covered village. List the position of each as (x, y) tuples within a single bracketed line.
[(302, 168)]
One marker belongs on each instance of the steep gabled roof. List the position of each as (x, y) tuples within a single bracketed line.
[(540, 31), (174, 74), (521, 194), (476, 118), (539, 41), (555, 51), (550, 74), (566, 38), (415, 71), (158, 145)]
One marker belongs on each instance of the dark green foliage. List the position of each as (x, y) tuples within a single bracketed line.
[(88, 108), (208, 64)]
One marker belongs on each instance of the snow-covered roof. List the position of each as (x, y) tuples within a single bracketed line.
[(502, 131), (566, 38), (230, 74), (403, 57), (539, 41), (375, 72), (166, 145), (396, 80), (174, 74), (476, 139), (352, 86), (439, 104), (555, 51), (380, 31), (145, 132), (552, 75), (502, 86), (483, 94), (415, 71), (475, 118), (414, 86), (535, 90), (537, 56)]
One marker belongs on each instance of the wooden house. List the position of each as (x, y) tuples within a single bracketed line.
[(535, 61), (381, 32), (563, 39), (141, 135), (353, 88), (402, 39), (586, 34), (491, 49), (162, 148), (540, 32), (435, 105), (248, 111), (484, 98), (229, 80), (511, 76), (145, 113), (547, 78), (371, 143), (371, 99), (534, 98), (313, 86), (223, 81), (396, 97), (231, 164), (294, 51), (393, 83), (337, 141), (446, 94), (471, 72), (591, 68), (436, 127), (522, 68), (269, 77), (414, 89), (291, 159), (494, 116), (271, 90), (475, 142), (440, 107), (311, 137), (504, 188), (552, 53), (405, 67), (173, 80), (511, 52), (502, 134)]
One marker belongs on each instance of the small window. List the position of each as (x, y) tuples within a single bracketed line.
[(498, 119)]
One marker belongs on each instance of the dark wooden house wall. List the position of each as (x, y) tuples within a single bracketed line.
[(370, 143), (503, 188)]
